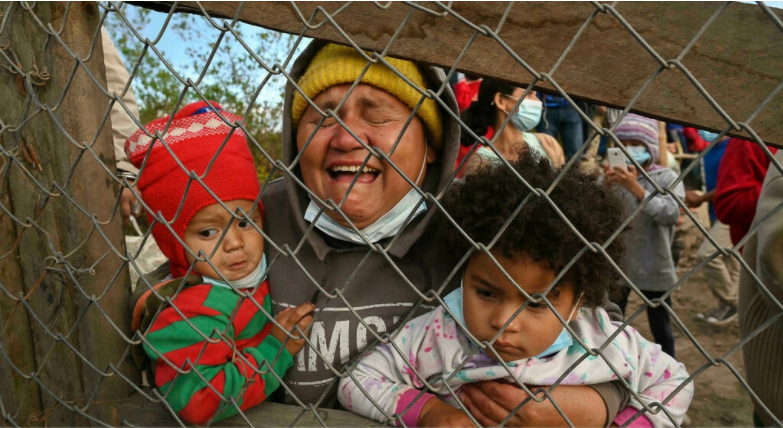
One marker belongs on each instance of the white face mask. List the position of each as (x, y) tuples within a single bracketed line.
[(386, 226), (249, 281)]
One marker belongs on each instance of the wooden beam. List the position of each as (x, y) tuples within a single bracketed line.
[(138, 411), (737, 59), (65, 263)]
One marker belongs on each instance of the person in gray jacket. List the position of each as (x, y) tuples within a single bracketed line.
[(375, 262), (648, 261)]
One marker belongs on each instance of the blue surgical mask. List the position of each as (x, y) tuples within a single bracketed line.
[(564, 340), (639, 154), (707, 135), (249, 281), (528, 115)]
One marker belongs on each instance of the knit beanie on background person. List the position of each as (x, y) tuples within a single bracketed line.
[(338, 65), (640, 128), (195, 135)]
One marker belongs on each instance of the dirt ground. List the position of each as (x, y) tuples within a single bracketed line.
[(719, 399)]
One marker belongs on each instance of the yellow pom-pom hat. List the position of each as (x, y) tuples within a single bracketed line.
[(338, 65)]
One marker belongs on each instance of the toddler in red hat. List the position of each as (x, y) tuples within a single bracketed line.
[(215, 343)]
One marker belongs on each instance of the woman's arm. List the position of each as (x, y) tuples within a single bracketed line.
[(491, 402)]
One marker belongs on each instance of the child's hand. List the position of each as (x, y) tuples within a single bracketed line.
[(290, 318), (625, 178), (436, 413)]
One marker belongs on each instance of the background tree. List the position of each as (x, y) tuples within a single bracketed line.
[(234, 77)]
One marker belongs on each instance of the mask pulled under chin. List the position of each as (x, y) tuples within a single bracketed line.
[(385, 227), (252, 280), (564, 340)]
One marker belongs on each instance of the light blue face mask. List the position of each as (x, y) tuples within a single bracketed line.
[(528, 114), (564, 340), (387, 226), (249, 281), (639, 154), (707, 135)]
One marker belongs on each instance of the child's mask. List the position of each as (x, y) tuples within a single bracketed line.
[(639, 154), (454, 302), (249, 281)]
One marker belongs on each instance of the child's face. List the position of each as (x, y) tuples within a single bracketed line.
[(489, 300), (240, 250)]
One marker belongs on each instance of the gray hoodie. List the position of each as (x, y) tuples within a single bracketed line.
[(648, 259)]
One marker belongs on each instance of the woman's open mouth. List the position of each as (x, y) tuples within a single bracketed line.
[(347, 173)]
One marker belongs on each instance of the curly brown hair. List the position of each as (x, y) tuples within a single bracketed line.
[(484, 201)]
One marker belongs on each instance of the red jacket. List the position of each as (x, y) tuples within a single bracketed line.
[(740, 176), (695, 142)]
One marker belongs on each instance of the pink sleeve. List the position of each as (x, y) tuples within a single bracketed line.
[(627, 413), (411, 416)]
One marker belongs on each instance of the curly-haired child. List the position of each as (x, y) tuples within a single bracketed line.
[(215, 343), (528, 242)]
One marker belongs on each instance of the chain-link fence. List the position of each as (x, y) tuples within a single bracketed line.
[(342, 229)]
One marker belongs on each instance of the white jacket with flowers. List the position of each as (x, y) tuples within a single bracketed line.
[(435, 346)]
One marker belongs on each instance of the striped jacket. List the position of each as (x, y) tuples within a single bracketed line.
[(212, 346)]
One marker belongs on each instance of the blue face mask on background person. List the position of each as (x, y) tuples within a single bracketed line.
[(707, 135), (639, 154), (528, 115), (564, 340)]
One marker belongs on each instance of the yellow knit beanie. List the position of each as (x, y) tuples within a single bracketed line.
[(337, 65)]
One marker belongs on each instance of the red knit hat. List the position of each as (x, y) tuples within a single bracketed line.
[(195, 136)]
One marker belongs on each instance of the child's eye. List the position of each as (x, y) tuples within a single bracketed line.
[(207, 233), (484, 293), (243, 224), (533, 305)]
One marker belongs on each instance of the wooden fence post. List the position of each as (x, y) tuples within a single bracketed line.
[(73, 282)]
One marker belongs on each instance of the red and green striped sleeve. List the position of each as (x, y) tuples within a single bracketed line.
[(213, 311)]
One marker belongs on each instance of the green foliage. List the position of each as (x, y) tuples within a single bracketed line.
[(232, 77)]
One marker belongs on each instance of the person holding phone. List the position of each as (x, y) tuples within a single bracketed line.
[(648, 262)]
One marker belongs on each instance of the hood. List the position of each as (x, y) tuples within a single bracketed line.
[(643, 129), (439, 173)]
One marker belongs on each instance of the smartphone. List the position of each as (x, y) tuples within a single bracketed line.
[(616, 158)]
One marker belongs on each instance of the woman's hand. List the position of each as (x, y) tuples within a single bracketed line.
[(491, 402), (436, 413), (290, 318)]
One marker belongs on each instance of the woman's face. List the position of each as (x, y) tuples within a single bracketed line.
[(332, 159), (506, 102)]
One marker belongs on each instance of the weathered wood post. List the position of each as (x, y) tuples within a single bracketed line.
[(61, 285)]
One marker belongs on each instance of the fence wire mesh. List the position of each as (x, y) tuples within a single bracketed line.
[(73, 339)]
